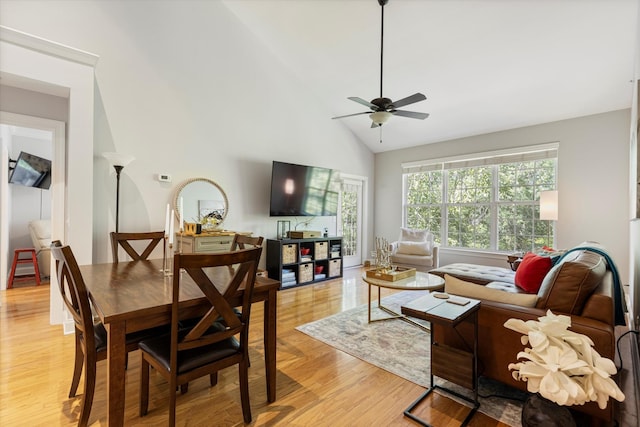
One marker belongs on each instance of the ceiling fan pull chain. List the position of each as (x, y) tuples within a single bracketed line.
[(380, 134)]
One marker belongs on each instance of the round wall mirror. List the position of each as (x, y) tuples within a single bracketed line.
[(204, 202)]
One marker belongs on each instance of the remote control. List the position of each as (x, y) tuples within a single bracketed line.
[(457, 300)]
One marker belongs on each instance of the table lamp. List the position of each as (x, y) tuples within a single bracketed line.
[(549, 210)]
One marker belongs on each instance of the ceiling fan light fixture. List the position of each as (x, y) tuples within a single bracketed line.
[(380, 117), (382, 108)]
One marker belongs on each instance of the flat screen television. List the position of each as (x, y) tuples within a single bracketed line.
[(31, 171), (298, 190)]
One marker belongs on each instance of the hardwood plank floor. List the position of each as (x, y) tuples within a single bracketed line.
[(317, 385)]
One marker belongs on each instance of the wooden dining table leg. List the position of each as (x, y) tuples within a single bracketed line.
[(270, 320), (116, 354)]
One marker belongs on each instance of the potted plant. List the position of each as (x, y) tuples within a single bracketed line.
[(561, 365)]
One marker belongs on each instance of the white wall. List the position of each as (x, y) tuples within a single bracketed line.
[(593, 178), (172, 91), (31, 103), (634, 192)]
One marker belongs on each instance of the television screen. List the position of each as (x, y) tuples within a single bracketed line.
[(31, 171), (298, 190)]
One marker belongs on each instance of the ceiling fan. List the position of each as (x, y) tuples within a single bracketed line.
[(383, 108)]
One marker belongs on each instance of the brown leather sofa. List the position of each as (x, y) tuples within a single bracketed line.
[(580, 286)]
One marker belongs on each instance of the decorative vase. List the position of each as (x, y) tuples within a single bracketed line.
[(538, 412)]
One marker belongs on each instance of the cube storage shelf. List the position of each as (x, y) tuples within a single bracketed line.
[(296, 262)]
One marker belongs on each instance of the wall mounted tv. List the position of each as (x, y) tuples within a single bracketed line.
[(31, 171), (298, 190)]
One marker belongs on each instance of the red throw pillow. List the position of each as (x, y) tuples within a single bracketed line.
[(531, 272)]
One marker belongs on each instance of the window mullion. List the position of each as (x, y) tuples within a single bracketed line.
[(494, 208), (444, 212)]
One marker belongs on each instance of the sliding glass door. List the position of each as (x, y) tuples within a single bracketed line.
[(350, 221)]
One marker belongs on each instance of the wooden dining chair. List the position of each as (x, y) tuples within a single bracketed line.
[(240, 241), (210, 344), (90, 337), (125, 239)]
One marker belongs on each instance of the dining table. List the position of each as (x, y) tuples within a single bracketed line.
[(136, 295)]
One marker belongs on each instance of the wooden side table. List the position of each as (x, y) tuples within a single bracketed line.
[(457, 366)]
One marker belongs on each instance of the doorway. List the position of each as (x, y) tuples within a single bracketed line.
[(350, 220), (56, 210), (27, 202), (41, 66)]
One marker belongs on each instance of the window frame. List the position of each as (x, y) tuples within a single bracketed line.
[(493, 160)]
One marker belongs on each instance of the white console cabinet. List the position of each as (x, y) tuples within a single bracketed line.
[(212, 242)]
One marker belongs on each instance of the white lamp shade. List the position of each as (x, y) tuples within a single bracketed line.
[(380, 117), (118, 159), (549, 205)]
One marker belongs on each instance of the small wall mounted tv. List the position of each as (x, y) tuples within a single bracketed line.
[(298, 190), (31, 171)]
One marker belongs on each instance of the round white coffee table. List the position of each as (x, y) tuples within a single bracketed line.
[(420, 282)]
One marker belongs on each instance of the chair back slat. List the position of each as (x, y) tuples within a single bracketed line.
[(219, 277), (241, 241), (74, 291), (124, 239)]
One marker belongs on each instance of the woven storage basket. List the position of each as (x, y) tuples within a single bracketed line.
[(322, 250), (305, 273), (289, 253), (334, 267)]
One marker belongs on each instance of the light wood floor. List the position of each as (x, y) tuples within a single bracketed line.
[(317, 385)]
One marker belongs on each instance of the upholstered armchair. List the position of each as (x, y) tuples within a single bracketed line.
[(415, 249), (40, 231)]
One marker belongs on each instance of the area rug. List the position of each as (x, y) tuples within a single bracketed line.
[(404, 350)]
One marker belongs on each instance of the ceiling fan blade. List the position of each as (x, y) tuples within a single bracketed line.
[(354, 114), (410, 114), (416, 97), (363, 102)]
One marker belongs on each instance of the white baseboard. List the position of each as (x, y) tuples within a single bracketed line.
[(68, 327)]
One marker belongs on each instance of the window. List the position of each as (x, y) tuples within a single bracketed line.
[(484, 203)]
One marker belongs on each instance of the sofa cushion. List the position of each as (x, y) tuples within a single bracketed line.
[(505, 287), (414, 248), (411, 235), (481, 274), (531, 272), (425, 261), (41, 228), (568, 285), (40, 231), (455, 286)]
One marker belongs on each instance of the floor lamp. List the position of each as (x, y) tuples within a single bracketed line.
[(118, 161), (549, 209)]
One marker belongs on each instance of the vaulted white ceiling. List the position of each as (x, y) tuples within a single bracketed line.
[(484, 65)]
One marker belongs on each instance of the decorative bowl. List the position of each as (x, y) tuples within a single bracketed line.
[(305, 251), (319, 269)]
